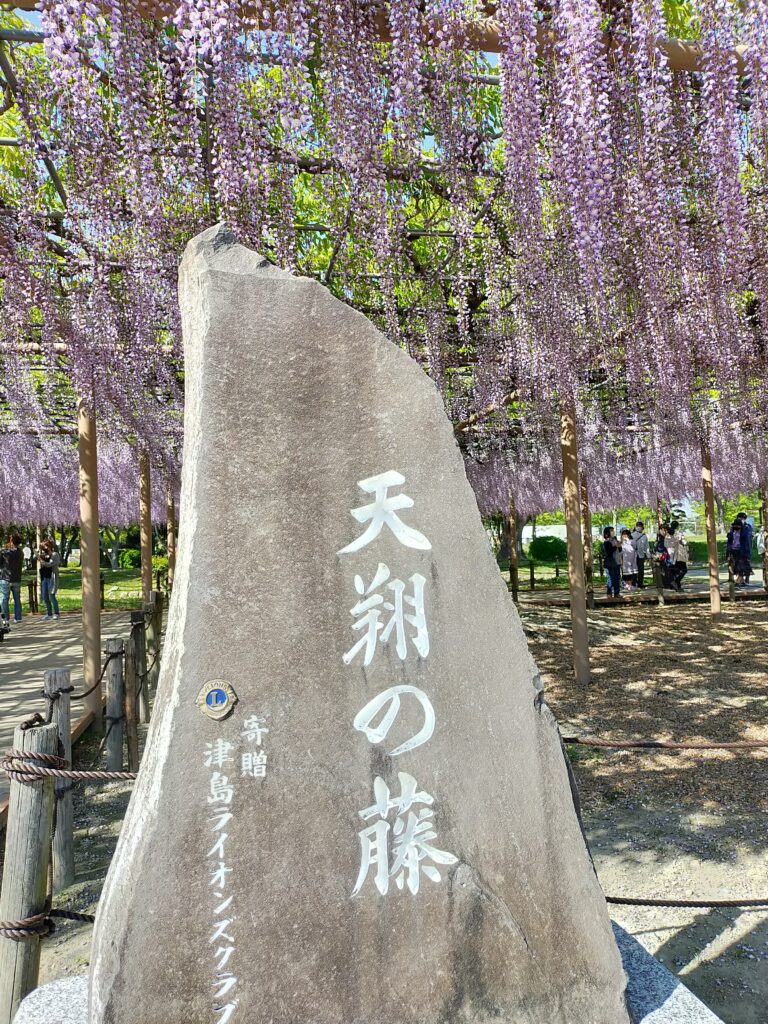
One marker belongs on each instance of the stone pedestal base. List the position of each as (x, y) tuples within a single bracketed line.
[(654, 994)]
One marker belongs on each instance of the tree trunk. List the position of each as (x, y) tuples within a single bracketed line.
[(709, 511), (720, 514), (572, 507)]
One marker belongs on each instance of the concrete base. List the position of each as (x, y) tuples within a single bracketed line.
[(654, 994)]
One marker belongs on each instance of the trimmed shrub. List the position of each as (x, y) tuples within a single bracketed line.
[(159, 563), (129, 558), (547, 550)]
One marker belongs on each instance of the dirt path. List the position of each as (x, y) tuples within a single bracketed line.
[(685, 824)]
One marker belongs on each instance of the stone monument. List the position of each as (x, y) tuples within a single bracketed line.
[(354, 806)]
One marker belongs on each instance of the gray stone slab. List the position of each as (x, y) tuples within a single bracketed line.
[(420, 865), (64, 1001), (654, 994)]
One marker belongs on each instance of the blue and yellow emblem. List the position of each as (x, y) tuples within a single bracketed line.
[(216, 699)]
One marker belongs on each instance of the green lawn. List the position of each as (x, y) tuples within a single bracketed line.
[(122, 589)]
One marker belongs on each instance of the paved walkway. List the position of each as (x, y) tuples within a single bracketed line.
[(695, 587), (31, 648)]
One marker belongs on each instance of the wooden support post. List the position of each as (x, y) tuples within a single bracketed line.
[(152, 634), (25, 871), (533, 575), (557, 570), (115, 704), (171, 536), (709, 513), (145, 524), (139, 633), (764, 496), (658, 579), (130, 704), (659, 512), (571, 503), (514, 575), (102, 599), (586, 523), (90, 557), (55, 681)]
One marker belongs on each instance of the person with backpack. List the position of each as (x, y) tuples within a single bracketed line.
[(643, 549), (612, 559), (677, 546)]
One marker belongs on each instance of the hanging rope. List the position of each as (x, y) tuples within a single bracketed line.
[(22, 766)]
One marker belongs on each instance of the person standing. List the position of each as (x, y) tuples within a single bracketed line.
[(628, 560), (642, 547), (49, 579), (10, 578), (612, 559), (677, 546), (734, 545), (661, 554), (747, 539)]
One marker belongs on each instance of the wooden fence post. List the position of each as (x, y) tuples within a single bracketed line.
[(129, 696), (138, 631), (153, 641), (557, 570), (514, 576), (658, 579), (533, 577), (56, 681), (25, 871), (115, 704)]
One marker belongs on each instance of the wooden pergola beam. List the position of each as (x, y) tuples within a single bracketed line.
[(482, 35)]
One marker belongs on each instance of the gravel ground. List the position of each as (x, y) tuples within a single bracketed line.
[(680, 824), (659, 823)]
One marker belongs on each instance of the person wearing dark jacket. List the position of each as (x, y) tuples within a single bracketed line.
[(10, 577), (612, 559)]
